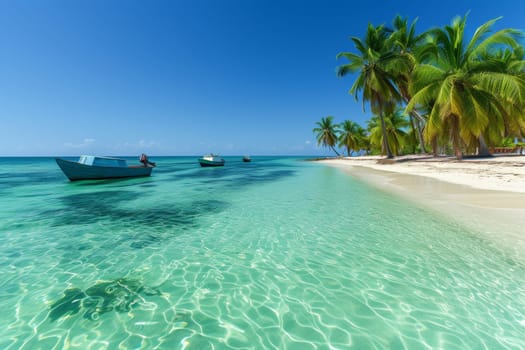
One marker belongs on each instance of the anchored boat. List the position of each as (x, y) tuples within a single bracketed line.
[(97, 168), (211, 160)]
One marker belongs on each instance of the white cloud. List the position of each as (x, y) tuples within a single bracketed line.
[(86, 143), (137, 146)]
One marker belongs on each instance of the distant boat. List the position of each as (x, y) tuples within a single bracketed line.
[(211, 160), (97, 168), (246, 159)]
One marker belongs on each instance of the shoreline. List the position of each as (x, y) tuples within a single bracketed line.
[(486, 195)]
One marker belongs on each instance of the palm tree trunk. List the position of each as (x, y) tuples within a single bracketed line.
[(333, 149), (483, 149), (383, 128), (413, 125), (434, 144), (418, 119), (419, 130), (386, 146), (455, 137)]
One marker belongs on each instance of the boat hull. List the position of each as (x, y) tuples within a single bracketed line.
[(76, 171), (208, 163)]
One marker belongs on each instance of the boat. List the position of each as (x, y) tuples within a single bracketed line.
[(211, 160), (246, 159), (98, 168)]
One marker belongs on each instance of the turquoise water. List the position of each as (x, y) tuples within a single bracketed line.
[(274, 254)]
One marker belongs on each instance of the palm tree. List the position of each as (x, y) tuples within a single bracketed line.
[(412, 48), (350, 136), (468, 90), (326, 133), (396, 124), (512, 62), (374, 79)]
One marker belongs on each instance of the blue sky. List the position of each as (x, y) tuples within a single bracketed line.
[(190, 77)]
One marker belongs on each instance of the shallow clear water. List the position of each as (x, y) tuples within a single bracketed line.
[(274, 254)]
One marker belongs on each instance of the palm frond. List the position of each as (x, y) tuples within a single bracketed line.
[(351, 57), (503, 37), (473, 118), (425, 74), (357, 86), (434, 125), (516, 66), (507, 86), (442, 97), (346, 69), (359, 44), (478, 35)]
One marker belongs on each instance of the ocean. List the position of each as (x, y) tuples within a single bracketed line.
[(279, 253)]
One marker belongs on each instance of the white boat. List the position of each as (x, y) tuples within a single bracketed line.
[(211, 160)]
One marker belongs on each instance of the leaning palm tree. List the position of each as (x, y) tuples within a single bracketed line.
[(375, 81), (350, 136), (468, 91), (326, 133)]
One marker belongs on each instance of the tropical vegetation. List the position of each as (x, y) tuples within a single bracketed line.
[(351, 136), (326, 133), (438, 90)]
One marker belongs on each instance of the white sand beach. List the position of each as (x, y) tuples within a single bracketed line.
[(486, 194)]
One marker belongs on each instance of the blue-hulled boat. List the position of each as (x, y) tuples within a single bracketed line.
[(97, 168), (211, 160)]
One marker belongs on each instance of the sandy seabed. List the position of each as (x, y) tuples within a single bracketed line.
[(485, 194)]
